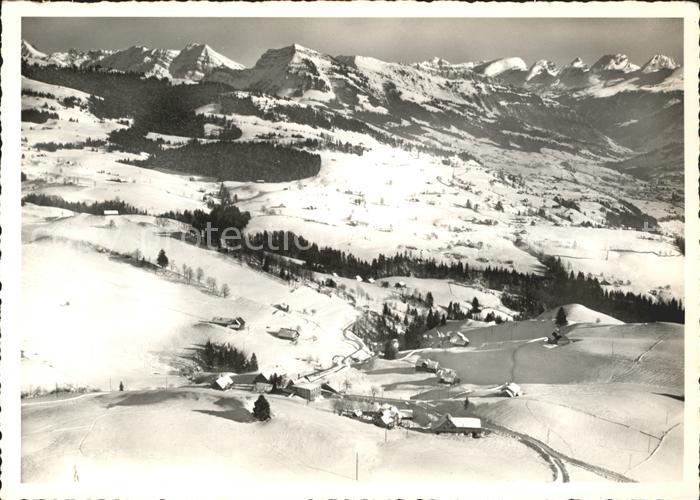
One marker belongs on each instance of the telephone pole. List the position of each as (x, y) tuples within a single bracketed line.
[(357, 466)]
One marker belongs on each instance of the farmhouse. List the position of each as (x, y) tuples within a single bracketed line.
[(458, 339), (427, 365), (457, 425), (223, 382), (261, 383), (282, 306), (307, 391), (237, 324), (511, 389), (448, 376), (233, 323), (288, 333), (557, 338), (388, 416)]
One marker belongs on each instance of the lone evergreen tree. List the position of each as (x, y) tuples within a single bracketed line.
[(561, 317), (429, 299), (261, 409), (253, 363), (390, 349), (162, 259), (476, 307)]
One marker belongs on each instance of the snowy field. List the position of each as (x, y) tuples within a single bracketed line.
[(125, 322), (224, 443)]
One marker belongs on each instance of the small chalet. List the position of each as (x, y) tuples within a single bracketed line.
[(557, 338), (457, 425), (233, 323), (388, 416), (224, 382), (427, 365), (458, 339), (511, 389), (288, 333), (448, 376), (237, 324)]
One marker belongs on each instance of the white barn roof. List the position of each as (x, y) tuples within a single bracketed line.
[(459, 422)]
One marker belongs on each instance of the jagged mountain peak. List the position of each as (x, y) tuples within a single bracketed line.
[(660, 62), (28, 50), (614, 62), (542, 68), (577, 63), (197, 60)]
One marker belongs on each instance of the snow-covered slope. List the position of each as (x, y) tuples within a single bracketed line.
[(576, 313), (138, 59)]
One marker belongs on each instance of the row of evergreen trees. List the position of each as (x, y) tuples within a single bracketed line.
[(222, 356), (531, 294), (95, 208), (232, 161), (55, 146), (38, 116)]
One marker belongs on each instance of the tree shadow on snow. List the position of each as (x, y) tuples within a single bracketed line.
[(149, 398), (234, 411)]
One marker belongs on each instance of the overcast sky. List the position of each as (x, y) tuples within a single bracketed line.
[(390, 39)]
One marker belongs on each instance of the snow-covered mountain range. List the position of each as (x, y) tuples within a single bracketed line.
[(191, 63), (611, 109)]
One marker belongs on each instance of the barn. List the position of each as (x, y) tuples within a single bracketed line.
[(288, 333), (261, 383), (457, 425), (237, 324), (307, 391)]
